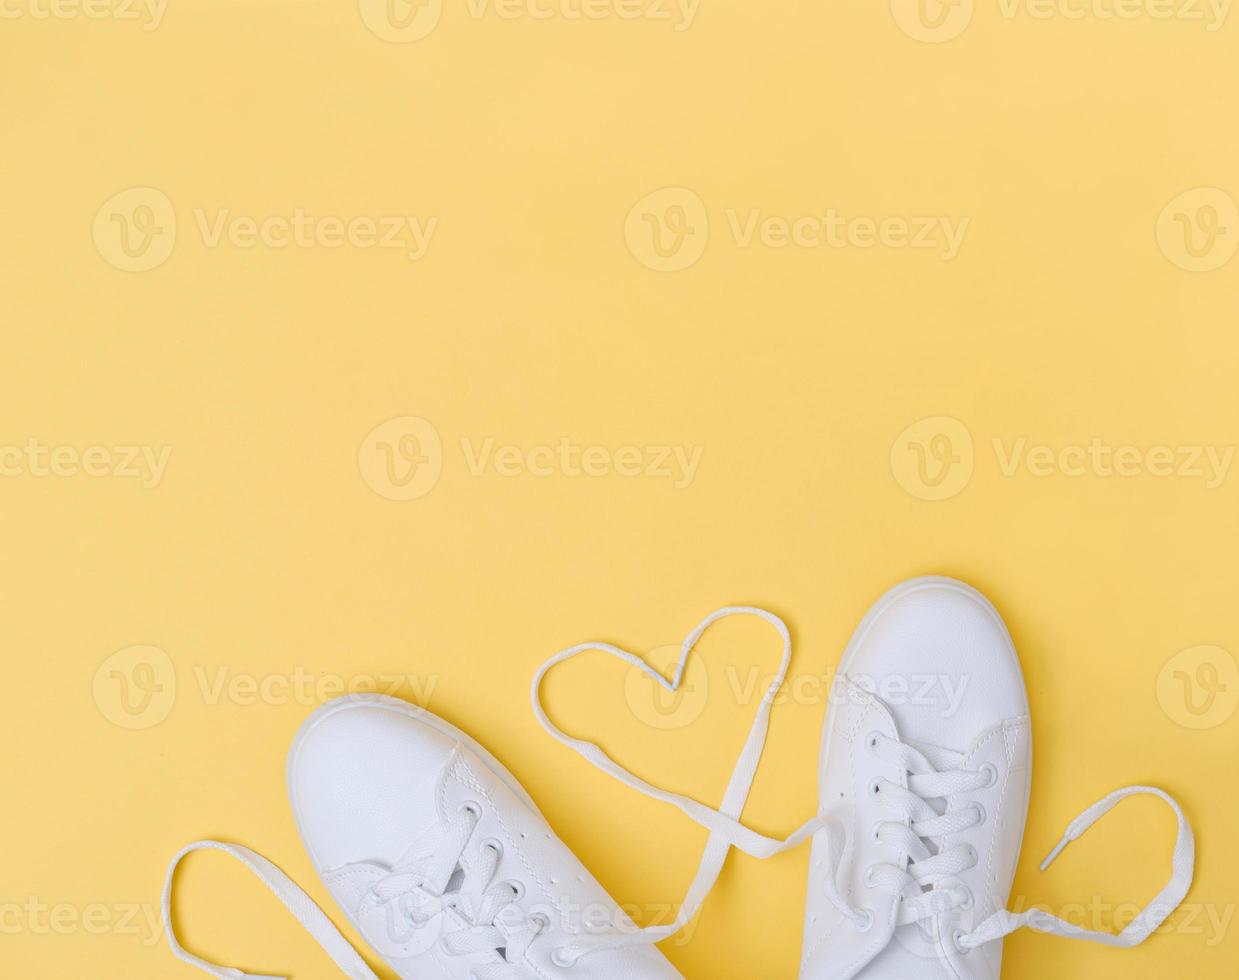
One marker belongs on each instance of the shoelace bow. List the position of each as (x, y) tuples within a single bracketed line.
[(925, 870)]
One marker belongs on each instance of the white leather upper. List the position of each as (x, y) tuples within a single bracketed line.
[(933, 666), (374, 783)]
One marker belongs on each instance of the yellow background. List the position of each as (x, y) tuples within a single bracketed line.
[(532, 319)]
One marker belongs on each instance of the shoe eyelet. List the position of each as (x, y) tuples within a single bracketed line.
[(541, 920), (956, 941), (982, 816), (871, 740), (518, 888), (972, 854), (491, 844), (875, 787), (471, 807), (876, 832), (561, 958), (867, 920), (991, 772), (969, 899)]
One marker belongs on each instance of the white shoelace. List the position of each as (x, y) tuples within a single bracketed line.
[(297, 901), (726, 831), (1149, 919), (413, 896), (921, 815), (925, 871), (423, 894)]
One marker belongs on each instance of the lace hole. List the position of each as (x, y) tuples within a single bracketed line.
[(969, 899), (981, 814), (518, 889), (541, 920), (991, 774), (957, 939), (471, 807), (876, 832), (872, 740), (491, 844), (875, 787), (560, 957), (866, 921)]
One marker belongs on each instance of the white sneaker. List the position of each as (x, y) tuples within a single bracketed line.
[(924, 778), (438, 857)]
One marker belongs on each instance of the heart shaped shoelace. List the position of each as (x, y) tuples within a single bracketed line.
[(927, 782)]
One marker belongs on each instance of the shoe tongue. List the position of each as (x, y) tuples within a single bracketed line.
[(928, 713), (940, 757)]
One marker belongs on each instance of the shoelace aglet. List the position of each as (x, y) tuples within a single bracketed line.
[(1058, 849), (1075, 830)]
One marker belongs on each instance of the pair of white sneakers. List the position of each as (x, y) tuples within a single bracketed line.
[(443, 863)]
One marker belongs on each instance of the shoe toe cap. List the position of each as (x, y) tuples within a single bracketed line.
[(362, 774), (940, 657)]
